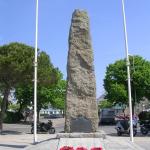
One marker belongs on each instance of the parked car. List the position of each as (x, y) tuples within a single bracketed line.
[(53, 116), (107, 115)]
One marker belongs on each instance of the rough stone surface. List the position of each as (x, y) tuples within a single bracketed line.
[(81, 135), (81, 87)]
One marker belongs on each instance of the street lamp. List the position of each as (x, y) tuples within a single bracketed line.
[(128, 71)]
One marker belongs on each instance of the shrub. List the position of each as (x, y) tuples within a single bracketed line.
[(13, 117)]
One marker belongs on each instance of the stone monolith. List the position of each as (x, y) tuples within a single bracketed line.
[(81, 108)]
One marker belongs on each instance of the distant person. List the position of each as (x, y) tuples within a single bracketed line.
[(31, 116), (26, 114), (135, 119)]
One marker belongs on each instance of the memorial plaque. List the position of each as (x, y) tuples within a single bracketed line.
[(81, 124)]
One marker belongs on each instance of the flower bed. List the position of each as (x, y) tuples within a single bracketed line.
[(67, 148), (96, 148), (80, 148)]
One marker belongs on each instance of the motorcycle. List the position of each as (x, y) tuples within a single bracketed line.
[(145, 127), (123, 127), (44, 127)]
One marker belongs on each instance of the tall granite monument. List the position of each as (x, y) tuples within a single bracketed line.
[(81, 108)]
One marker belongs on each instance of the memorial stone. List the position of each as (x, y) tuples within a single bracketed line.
[(81, 108)]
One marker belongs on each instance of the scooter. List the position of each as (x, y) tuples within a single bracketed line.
[(123, 127), (145, 127), (44, 127)]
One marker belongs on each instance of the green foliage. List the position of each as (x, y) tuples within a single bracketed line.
[(24, 95), (16, 67), (105, 104), (115, 82), (14, 107), (117, 93), (54, 95), (16, 71), (12, 117), (0, 100), (47, 74), (15, 64), (49, 80), (57, 94)]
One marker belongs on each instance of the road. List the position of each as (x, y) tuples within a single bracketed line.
[(143, 141), (26, 128)]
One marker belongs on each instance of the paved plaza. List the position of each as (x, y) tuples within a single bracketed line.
[(50, 142), (18, 137)]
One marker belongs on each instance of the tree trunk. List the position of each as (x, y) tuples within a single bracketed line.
[(133, 105), (20, 108), (4, 107), (63, 113), (38, 115)]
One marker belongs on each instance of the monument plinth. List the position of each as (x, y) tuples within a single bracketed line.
[(81, 108)]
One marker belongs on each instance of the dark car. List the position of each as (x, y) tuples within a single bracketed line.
[(107, 116), (53, 116)]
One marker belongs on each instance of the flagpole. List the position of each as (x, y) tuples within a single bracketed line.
[(35, 76), (128, 71)]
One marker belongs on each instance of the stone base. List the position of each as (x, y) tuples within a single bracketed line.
[(82, 135)]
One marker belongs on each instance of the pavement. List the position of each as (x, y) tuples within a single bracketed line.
[(107, 144), (18, 140), (50, 142), (21, 141)]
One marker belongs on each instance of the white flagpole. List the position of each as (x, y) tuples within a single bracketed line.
[(128, 71), (35, 76)]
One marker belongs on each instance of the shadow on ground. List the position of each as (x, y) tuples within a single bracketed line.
[(127, 135), (5, 132), (13, 146)]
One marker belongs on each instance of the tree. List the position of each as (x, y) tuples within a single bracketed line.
[(105, 104), (13, 107), (15, 67), (48, 78), (57, 95), (0, 100), (115, 82), (52, 94), (24, 96)]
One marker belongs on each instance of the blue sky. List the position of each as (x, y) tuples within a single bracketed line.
[(17, 23)]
